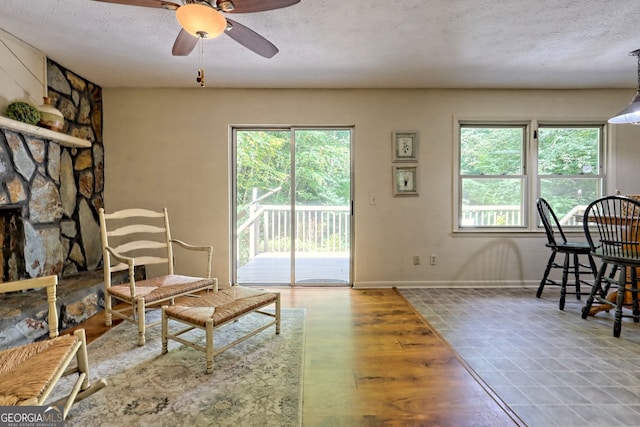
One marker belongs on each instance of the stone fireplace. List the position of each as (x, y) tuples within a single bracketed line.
[(51, 189)]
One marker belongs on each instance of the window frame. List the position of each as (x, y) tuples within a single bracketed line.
[(599, 176), (531, 190)]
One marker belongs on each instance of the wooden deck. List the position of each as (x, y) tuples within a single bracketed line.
[(316, 268)]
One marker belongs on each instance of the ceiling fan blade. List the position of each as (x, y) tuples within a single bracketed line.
[(184, 44), (144, 3), (250, 6), (251, 40)]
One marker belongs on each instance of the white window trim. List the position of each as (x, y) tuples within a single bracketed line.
[(531, 177)]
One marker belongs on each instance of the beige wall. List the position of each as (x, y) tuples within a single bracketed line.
[(22, 74), (170, 147)]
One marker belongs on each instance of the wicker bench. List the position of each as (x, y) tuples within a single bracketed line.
[(213, 310)]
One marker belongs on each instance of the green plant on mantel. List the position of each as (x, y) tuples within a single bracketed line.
[(23, 112)]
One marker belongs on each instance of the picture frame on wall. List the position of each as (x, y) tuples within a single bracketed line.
[(405, 181), (405, 146)]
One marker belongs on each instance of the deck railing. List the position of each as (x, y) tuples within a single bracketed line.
[(318, 229), (327, 228), (510, 215), (574, 217), (479, 216)]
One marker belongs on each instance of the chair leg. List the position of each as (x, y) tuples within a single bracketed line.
[(82, 387), (209, 345), (633, 288), (141, 321), (165, 329), (595, 289), (594, 269), (87, 388), (107, 309), (546, 273), (576, 273), (83, 358), (592, 264), (278, 315), (622, 283), (565, 279), (612, 276)]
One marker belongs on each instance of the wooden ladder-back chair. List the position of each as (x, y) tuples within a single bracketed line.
[(29, 373), (141, 237)]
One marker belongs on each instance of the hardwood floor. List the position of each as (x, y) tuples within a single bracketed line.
[(370, 360)]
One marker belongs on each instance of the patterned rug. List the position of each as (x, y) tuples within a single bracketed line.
[(255, 383)]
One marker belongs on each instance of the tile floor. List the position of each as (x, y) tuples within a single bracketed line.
[(551, 367)]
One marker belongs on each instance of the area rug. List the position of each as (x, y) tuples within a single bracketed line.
[(255, 383)]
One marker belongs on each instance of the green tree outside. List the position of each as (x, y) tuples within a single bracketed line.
[(492, 163)]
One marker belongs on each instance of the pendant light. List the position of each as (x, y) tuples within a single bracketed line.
[(631, 114)]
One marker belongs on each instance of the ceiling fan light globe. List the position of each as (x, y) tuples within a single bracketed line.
[(197, 19)]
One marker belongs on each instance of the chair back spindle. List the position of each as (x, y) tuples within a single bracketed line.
[(616, 219)]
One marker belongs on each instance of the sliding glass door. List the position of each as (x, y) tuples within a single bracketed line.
[(292, 206)]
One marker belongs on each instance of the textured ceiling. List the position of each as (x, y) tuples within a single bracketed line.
[(349, 44)]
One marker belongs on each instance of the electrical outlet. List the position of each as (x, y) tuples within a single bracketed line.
[(433, 260), (416, 260)]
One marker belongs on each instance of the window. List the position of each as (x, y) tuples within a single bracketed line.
[(569, 169), (502, 170), (492, 176)]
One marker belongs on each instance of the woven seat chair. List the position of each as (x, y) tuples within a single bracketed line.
[(29, 373), (142, 237), (612, 226), (572, 251)]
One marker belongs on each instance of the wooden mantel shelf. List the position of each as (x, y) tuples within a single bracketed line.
[(61, 138)]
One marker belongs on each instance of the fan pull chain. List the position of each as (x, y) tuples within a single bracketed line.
[(200, 78)]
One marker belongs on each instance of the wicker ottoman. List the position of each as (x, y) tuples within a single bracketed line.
[(214, 310)]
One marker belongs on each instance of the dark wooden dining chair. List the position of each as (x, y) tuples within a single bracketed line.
[(571, 264), (612, 227)]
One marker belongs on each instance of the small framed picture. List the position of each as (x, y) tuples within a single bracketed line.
[(405, 146), (405, 180)]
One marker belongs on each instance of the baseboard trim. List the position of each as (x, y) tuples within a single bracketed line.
[(448, 284)]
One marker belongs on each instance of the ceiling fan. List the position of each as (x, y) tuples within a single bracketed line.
[(202, 19)]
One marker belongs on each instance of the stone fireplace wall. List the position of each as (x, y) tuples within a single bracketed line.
[(58, 189)]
